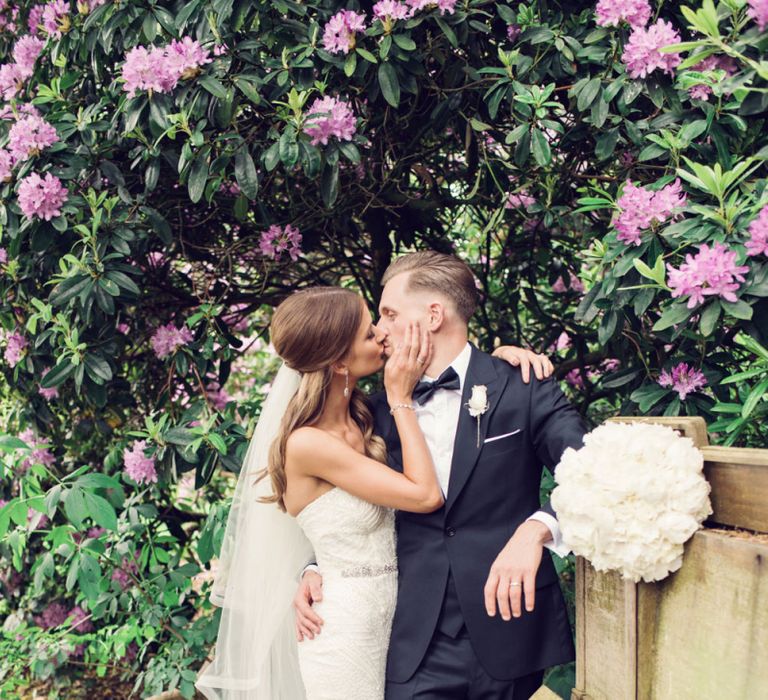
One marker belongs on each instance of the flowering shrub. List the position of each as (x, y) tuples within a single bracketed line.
[(168, 175)]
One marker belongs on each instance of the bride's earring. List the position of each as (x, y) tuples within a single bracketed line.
[(346, 383)]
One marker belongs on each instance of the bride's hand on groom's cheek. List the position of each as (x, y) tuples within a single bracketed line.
[(310, 591), (526, 360), (513, 574)]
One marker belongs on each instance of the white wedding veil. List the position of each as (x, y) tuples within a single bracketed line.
[(263, 553)]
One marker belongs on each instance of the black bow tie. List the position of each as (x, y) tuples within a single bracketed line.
[(447, 380)]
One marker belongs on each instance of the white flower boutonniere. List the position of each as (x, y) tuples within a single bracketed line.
[(478, 404)]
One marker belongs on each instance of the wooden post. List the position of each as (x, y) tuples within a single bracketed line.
[(703, 631)]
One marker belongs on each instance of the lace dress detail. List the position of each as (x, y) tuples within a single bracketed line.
[(354, 543)]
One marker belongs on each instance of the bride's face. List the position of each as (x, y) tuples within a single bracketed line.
[(367, 353)]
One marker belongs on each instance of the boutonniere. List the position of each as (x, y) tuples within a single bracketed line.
[(478, 404)]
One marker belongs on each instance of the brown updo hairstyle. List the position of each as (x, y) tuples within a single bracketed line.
[(312, 330)]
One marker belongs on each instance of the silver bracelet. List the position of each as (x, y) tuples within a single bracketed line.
[(402, 405)]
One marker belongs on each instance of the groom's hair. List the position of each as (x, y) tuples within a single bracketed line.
[(438, 272)]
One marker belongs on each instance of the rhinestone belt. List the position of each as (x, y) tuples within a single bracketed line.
[(367, 570)]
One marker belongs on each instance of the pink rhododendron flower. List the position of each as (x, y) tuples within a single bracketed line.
[(724, 63), (641, 208), (80, 621), (220, 50), (642, 55), (29, 136), (18, 111), (137, 466), (513, 32), (25, 53), (40, 454), (445, 6), (53, 616), (55, 19), (711, 272), (14, 350), (329, 117), (41, 197), (3, 256), (275, 241), (185, 58), (519, 200), (128, 567), (683, 379), (758, 234), (6, 165), (611, 13), (160, 68), (217, 395), (758, 10), (574, 285), (35, 18), (388, 10), (168, 338), (339, 32), (11, 80)]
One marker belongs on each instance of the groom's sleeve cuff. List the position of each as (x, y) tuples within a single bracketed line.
[(309, 567), (556, 543)]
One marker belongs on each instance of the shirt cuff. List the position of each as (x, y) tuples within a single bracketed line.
[(309, 567), (556, 543)]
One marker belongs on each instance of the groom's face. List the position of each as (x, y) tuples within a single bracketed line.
[(398, 307)]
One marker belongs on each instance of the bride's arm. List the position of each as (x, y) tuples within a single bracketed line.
[(526, 360)]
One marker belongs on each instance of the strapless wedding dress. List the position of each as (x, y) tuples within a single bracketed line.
[(354, 544)]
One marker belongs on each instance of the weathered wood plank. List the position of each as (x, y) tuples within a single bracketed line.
[(739, 481), (703, 631), (609, 643), (694, 427)]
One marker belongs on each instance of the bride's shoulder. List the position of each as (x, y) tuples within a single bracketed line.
[(306, 439)]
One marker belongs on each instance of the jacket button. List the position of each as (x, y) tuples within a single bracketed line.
[(450, 531)]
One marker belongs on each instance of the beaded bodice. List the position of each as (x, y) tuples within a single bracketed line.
[(351, 537)]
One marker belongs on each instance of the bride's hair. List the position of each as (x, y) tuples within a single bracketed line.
[(311, 330)]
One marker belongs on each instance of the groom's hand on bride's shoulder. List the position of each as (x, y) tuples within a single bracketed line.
[(513, 574), (525, 360), (308, 622)]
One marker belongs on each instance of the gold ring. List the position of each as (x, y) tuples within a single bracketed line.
[(515, 583)]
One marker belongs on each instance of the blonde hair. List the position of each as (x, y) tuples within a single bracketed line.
[(311, 330), (438, 272)]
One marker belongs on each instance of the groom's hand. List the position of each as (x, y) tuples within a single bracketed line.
[(310, 591), (526, 360), (517, 563)]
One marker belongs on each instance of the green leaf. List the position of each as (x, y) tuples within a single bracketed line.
[(213, 86), (709, 318), (367, 55), (74, 507), (738, 309), (101, 510), (245, 173), (755, 396), (218, 442), (198, 176), (390, 86), (98, 368), (672, 316), (329, 184), (57, 375), (404, 42), (540, 147), (588, 94)]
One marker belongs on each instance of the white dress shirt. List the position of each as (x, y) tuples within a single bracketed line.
[(439, 419)]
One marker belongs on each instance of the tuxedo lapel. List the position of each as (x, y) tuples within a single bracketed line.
[(465, 447)]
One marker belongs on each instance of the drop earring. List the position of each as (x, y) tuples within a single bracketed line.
[(346, 383)]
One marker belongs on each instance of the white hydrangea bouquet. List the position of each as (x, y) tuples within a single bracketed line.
[(630, 498)]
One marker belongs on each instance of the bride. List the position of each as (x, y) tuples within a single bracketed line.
[(315, 486)]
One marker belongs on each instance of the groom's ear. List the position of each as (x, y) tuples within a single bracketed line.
[(436, 316)]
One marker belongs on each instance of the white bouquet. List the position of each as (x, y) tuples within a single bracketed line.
[(630, 498)]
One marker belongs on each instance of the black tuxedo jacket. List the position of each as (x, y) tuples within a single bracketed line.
[(492, 489)]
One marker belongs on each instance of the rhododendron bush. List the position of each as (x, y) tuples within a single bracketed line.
[(170, 171)]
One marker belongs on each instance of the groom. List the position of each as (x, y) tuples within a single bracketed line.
[(479, 611)]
